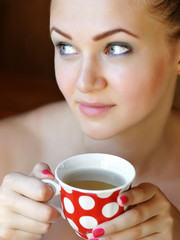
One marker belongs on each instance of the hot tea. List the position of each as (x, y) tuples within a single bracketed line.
[(93, 179)]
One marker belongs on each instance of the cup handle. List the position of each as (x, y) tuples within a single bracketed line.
[(56, 188)]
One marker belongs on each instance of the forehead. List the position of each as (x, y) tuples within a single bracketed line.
[(102, 12), (89, 17)]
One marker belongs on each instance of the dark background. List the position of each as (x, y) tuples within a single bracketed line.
[(26, 57)]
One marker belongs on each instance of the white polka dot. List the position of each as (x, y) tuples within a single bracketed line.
[(87, 203), (110, 209), (73, 225), (68, 190), (90, 236), (104, 194), (68, 205), (88, 222)]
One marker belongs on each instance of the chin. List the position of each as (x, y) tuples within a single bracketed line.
[(98, 134)]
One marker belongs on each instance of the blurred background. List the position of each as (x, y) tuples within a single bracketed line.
[(26, 57)]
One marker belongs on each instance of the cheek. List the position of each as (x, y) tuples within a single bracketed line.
[(140, 85), (64, 78)]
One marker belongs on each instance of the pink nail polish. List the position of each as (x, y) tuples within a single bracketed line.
[(47, 172), (124, 199), (98, 232), (94, 239)]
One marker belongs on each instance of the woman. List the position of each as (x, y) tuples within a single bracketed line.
[(117, 64)]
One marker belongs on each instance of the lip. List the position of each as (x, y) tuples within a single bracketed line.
[(94, 109)]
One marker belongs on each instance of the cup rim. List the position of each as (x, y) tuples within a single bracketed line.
[(124, 187)]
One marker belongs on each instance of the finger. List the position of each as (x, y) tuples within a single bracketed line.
[(14, 234), (130, 218), (28, 186), (36, 210), (155, 236), (150, 227), (22, 223), (139, 194), (21, 235), (41, 171)]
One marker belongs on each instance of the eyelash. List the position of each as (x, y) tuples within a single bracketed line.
[(62, 45), (124, 49)]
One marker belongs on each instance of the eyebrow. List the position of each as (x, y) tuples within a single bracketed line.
[(99, 36), (61, 33), (111, 32)]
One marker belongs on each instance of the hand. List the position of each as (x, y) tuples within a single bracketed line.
[(23, 215), (151, 217)]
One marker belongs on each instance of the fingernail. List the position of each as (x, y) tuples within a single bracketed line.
[(47, 172), (94, 239), (98, 232), (123, 199)]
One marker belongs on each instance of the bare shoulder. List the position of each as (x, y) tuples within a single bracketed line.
[(18, 145), (60, 132), (38, 135)]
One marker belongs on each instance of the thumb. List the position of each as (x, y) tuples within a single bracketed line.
[(42, 170)]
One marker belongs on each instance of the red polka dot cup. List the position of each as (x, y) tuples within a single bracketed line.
[(89, 185)]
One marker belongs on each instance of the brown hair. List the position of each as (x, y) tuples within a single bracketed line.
[(168, 12)]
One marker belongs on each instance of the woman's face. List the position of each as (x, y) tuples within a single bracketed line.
[(113, 63)]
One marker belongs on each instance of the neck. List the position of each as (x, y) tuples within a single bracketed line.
[(138, 143)]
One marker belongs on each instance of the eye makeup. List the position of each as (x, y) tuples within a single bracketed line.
[(66, 49), (116, 49), (113, 49)]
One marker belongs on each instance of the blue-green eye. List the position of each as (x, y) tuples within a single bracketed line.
[(117, 49), (66, 49)]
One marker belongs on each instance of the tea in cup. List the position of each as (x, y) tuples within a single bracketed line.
[(89, 185)]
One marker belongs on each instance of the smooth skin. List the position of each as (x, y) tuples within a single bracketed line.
[(119, 85)]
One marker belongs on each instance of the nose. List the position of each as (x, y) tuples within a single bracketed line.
[(90, 77)]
